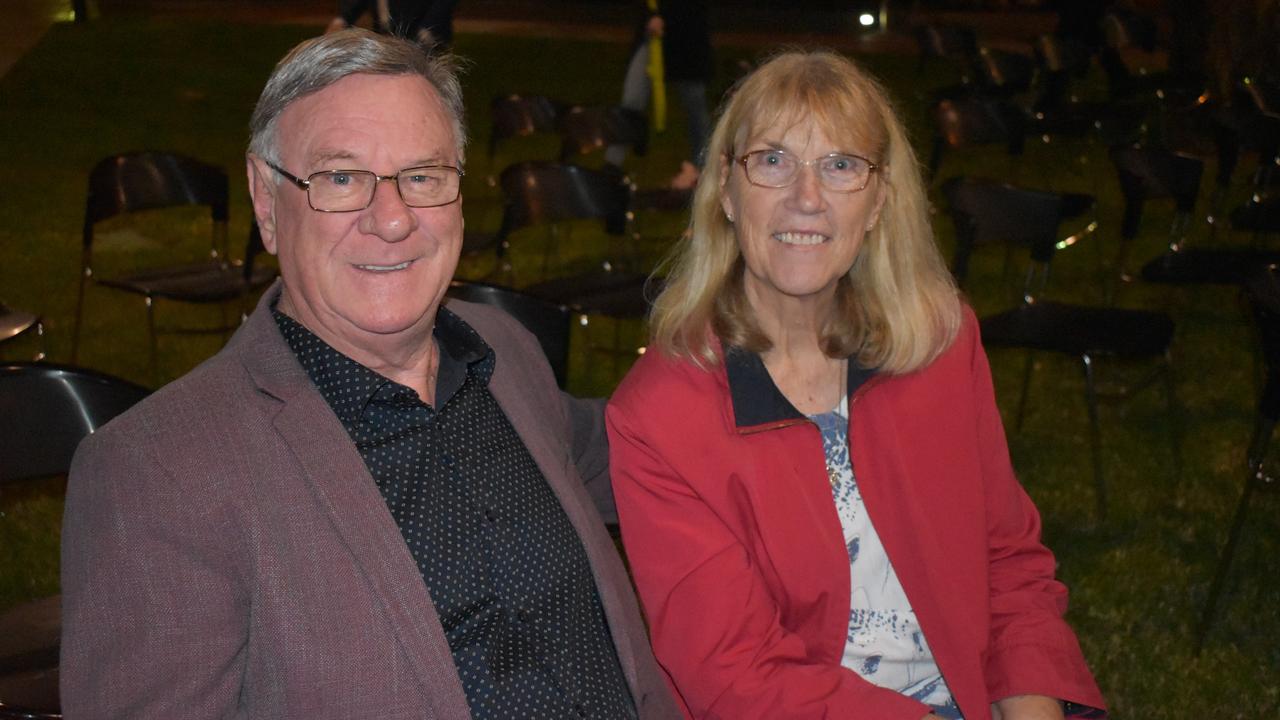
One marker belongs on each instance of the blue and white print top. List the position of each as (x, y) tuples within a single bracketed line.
[(884, 644)]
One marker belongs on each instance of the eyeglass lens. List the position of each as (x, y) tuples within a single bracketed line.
[(344, 190), (837, 172)]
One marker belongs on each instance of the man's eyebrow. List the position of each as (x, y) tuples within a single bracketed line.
[(324, 156)]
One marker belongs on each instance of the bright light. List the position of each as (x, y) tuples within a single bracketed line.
[(866, 19)]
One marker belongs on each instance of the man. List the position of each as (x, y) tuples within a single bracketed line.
[(367, 504)]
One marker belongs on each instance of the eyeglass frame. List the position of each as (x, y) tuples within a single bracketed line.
[(872, 168), (305, 185)]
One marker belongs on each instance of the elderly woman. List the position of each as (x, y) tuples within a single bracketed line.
[(812, 478)]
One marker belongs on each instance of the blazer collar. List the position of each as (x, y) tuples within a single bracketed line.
[(758, 404)]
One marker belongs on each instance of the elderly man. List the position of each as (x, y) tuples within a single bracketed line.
[(368, 504)]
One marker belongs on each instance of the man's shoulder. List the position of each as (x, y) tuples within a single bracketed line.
[(210, 394)]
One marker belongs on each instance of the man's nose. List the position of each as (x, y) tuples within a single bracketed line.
[(387, 216)]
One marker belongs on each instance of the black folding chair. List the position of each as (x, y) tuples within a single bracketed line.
[(547, 321), (1263, 290), (134, 182), (1084, 332), (962, 122), (45, 411), (517, 115)]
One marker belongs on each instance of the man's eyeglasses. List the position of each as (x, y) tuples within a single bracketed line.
[(351, 190), (837, 172)]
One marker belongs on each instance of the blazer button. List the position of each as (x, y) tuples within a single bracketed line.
[(491, 515), (523, 615)]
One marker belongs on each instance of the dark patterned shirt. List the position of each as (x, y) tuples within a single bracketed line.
[(506, 570)]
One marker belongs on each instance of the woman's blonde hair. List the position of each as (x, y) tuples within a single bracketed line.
[(897, 308)]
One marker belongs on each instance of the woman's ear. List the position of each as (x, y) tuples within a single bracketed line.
[(726, 202)]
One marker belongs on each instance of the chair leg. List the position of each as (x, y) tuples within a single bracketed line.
[(151, 334), (1095, 435), (1026, 385), (1175, 416), (1261, 436), (75, 332)]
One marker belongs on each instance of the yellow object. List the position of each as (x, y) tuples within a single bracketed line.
[(657, 82)]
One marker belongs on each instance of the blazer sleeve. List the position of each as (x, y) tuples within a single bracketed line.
[(714, 623), (590, 447), (155, 616), (1032, 649)]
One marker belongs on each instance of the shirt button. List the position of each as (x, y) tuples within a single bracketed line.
[(523, 615), (446, 460), (579, 709), (491, 515), (863, 639)]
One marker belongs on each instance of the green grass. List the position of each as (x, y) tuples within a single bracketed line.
[(1137, 580)]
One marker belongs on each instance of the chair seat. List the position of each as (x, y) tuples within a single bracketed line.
[(15, 322), (29, 641), (1207, 266), (662, 200), (30, 695), (1079, 330), (612, 293), (204, 282), (29, 635)]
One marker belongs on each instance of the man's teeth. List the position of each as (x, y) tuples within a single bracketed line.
[(385, 268), (799, 238)]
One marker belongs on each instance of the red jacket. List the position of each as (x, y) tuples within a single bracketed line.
[(738, 555)]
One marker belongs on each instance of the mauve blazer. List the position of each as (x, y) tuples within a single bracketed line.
[(226, 553)]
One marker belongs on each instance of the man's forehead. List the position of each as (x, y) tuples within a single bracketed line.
[(343, 119)]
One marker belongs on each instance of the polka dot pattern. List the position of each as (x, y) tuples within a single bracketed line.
[(507, 573)]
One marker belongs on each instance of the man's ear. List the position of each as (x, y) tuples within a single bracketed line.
[(262, 191)]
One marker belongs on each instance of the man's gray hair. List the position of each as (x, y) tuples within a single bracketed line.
[(322, 61)]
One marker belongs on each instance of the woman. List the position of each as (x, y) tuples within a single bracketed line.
[(810, 334)]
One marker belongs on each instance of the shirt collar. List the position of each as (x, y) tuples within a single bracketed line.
[(758, 404), (348, 387)]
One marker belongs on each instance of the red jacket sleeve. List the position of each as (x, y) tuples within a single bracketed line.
[(714, 623), (1032, 649)]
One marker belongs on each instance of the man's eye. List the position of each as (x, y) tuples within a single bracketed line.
[(341, 179)]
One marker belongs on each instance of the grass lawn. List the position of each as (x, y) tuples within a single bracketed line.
[(1138, 580)]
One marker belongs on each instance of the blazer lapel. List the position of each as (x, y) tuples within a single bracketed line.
[(336, 473)]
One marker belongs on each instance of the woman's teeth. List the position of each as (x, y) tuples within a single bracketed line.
[(792, 238)]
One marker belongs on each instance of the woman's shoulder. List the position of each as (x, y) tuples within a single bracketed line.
[(660, 379)]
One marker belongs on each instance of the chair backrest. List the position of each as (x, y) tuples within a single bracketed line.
[(584, 130), (1146, 173), (150, 180), (548, 322), (47, 409), (986, 211), (536, 193), (1006, 72), (519, 115), (977, 120), (946, 41), (969, 120)]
